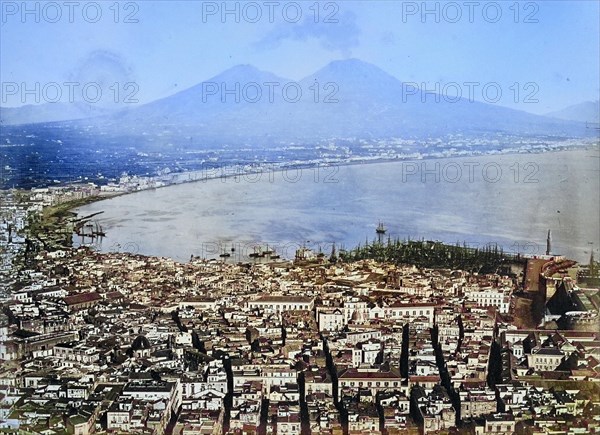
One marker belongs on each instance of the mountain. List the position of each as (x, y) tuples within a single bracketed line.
[(229, 92), (48, 112), (588, 111), (345, 99), (373, 102), (245, 115), (231, 106)]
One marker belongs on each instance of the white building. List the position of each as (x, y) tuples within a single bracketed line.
[(331, 319), (490, 297), (279, 304), (365, 353), (545, 359)]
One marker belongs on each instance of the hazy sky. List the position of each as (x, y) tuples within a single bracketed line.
[(165, 46)]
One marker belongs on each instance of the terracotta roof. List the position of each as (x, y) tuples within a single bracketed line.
[(412, 304), (114, 295), (284, 299), (354, 374), (81, 298), (432, 378)]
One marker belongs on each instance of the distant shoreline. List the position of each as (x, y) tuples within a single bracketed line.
[(300, 166), (572, 154)]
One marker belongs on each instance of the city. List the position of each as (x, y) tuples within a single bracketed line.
[(299, 218), (124, 343)]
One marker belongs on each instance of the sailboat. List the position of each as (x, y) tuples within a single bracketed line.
[(255, 254), (266, 252), (99, 231)]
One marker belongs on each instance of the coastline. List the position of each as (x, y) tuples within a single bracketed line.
[(221, 233), (56, 223), (280, 170)]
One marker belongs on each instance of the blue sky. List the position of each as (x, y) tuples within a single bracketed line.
[(173, 46)]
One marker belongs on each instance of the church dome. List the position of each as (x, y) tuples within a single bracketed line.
[(140, 343)]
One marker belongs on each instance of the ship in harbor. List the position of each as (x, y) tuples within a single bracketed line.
[(90, 230), (259, 252), (381, 229)]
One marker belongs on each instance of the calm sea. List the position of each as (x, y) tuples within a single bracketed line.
[(509, 200)]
